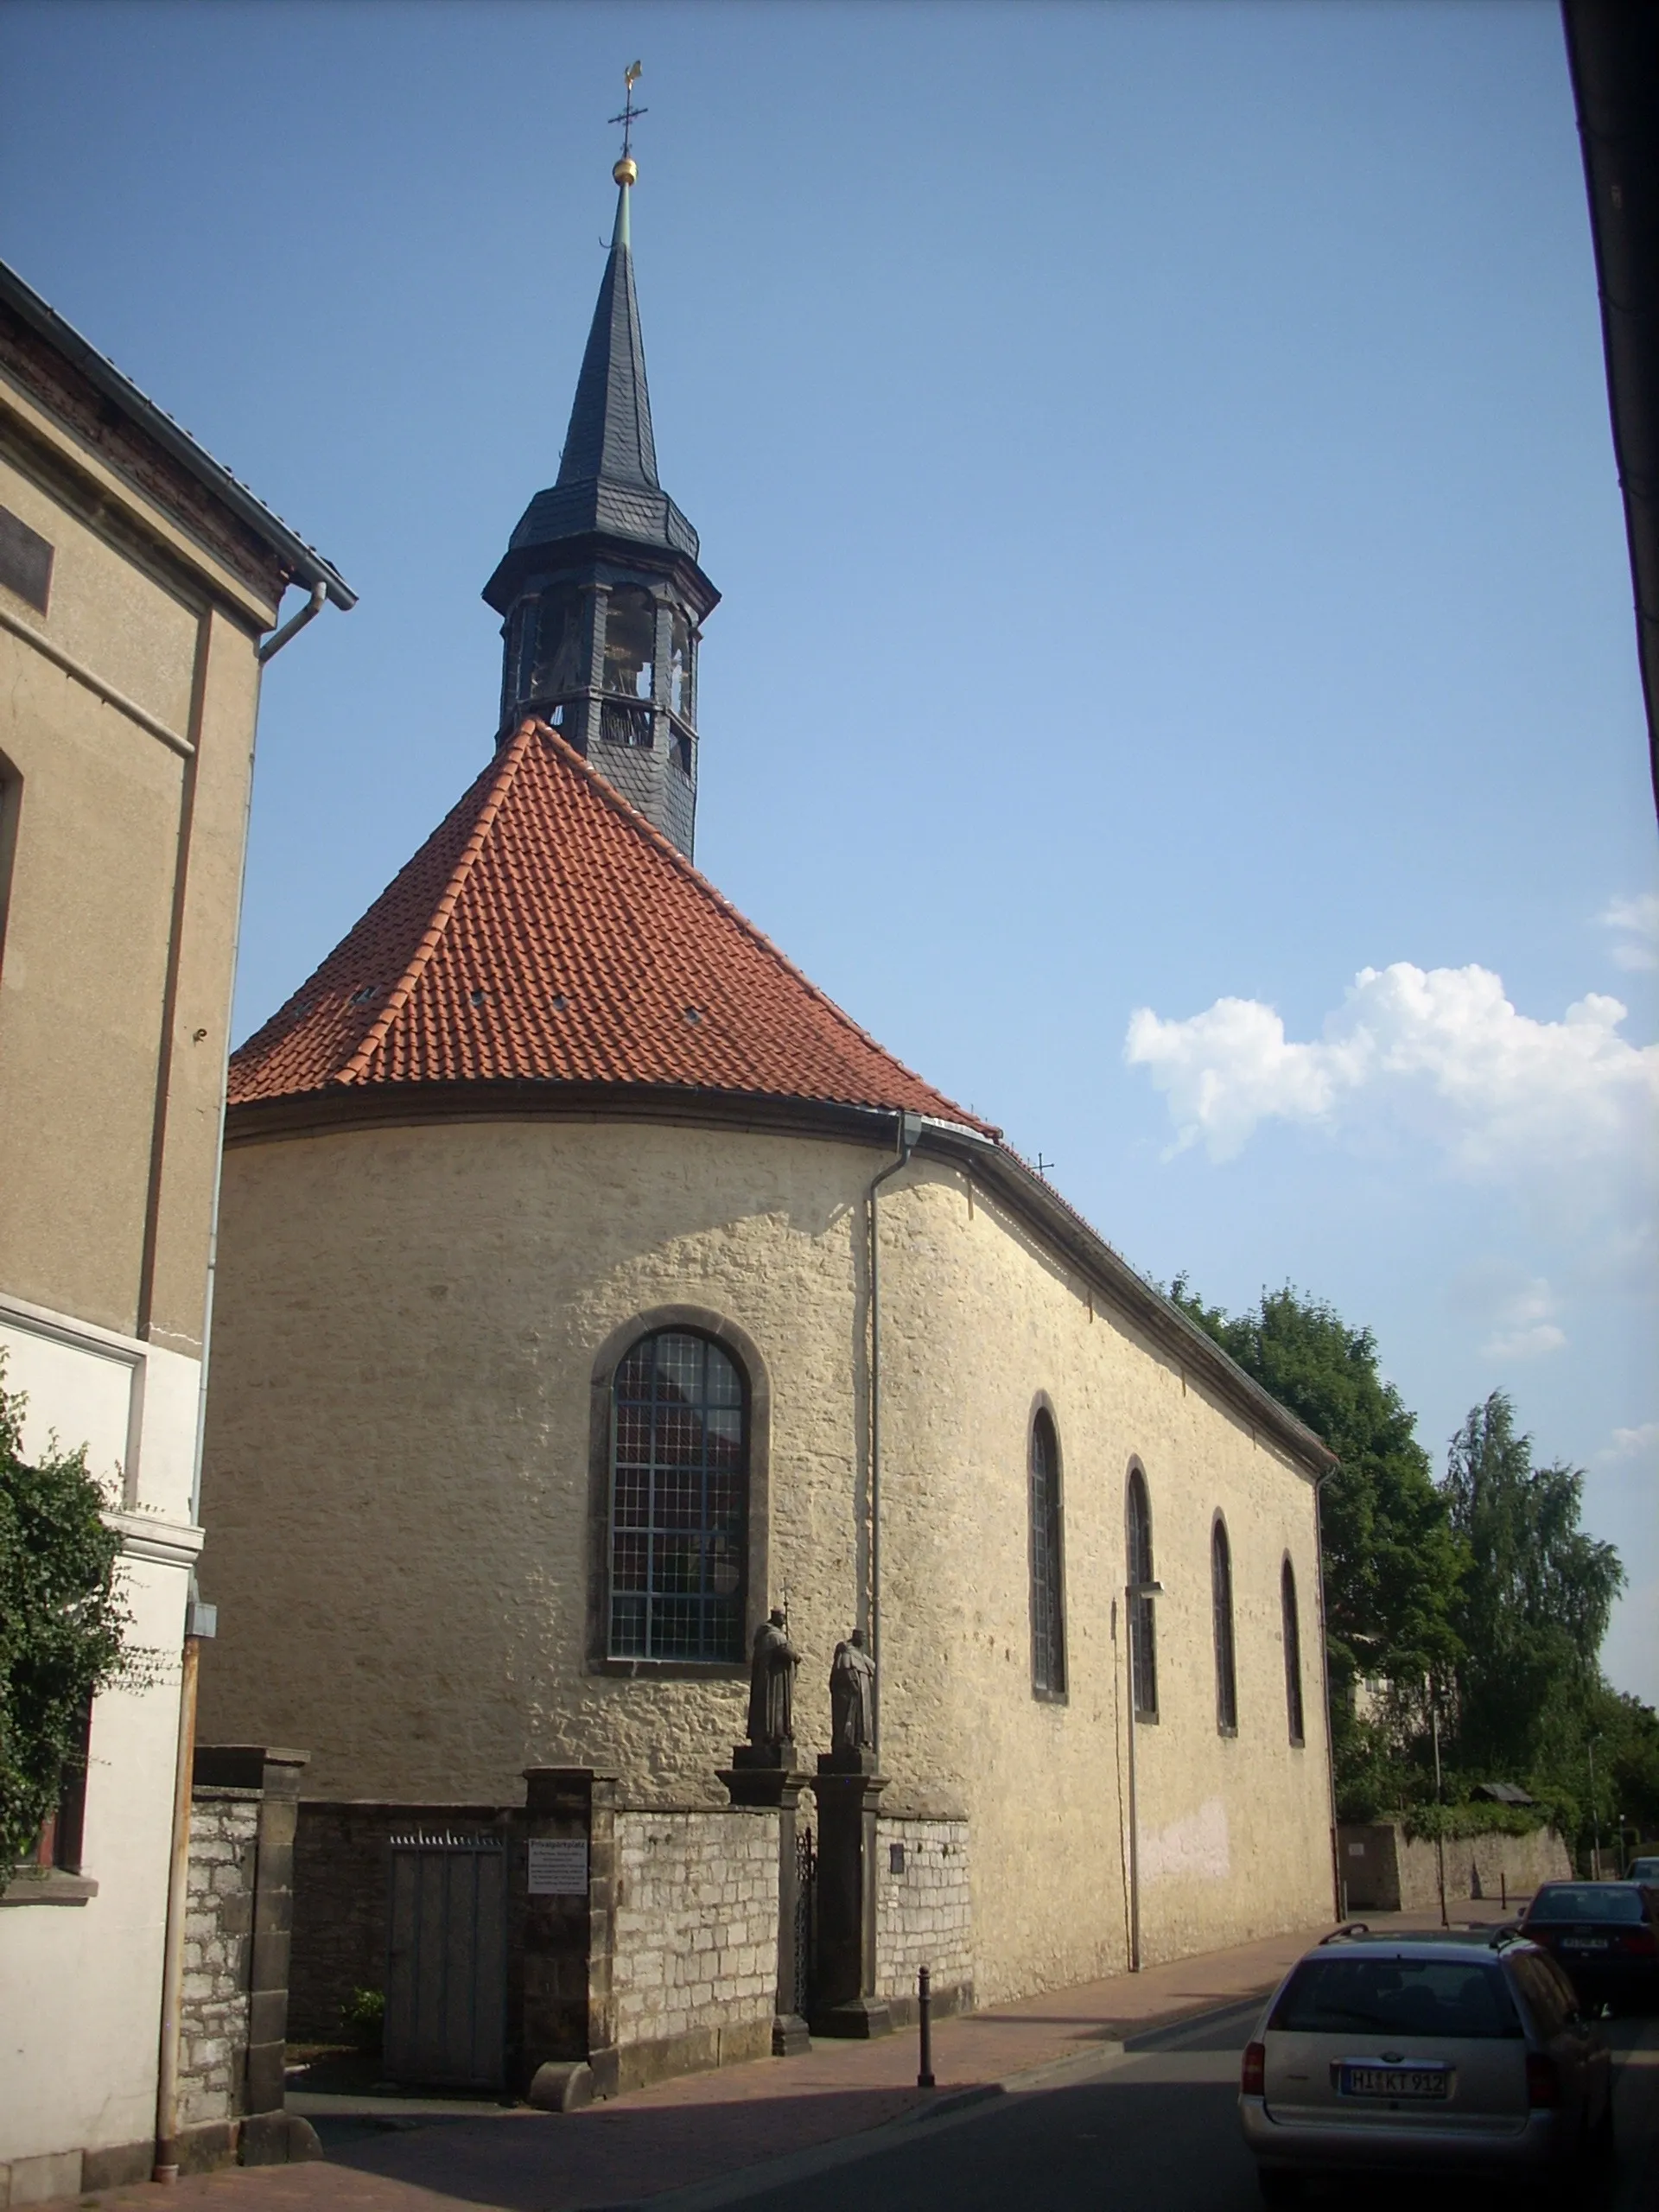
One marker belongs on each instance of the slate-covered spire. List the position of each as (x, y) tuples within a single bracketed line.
[(600, 590), (610, 422)]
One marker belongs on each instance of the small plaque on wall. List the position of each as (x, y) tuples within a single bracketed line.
[(558, 1867)]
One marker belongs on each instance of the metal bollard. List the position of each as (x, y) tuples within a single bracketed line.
[(925, 2019), (1503, 1890)]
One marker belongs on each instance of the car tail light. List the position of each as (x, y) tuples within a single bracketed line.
[(1641, 1942), (1544, 2082), (1253, 2076)]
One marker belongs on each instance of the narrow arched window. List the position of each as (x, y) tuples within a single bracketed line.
[(679, 1500), (1143, 1637), (1047, 1595), (1221, 1604), (1293, 1654)]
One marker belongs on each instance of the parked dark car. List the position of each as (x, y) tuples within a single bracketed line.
[(1435, 2053), (1606, 1936)]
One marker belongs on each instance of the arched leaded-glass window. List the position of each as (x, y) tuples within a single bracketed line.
[(679, 1500), (1221, 1602), (1293, 1654), (1143, 1635), (1047, 1595)]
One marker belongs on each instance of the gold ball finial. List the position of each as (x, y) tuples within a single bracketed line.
[(626, 170)]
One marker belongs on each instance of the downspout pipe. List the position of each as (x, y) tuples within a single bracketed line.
[(269, 647), (909, 1136), (165, 2168), (1338, 1902)]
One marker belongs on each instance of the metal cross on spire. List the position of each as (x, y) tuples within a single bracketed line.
[(629, 114)]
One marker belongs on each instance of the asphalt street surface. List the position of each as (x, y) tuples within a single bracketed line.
[(1157, 2132)]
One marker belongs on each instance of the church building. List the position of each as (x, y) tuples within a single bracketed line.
[(590, 1285)]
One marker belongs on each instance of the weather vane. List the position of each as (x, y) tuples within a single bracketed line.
[(629, 118)]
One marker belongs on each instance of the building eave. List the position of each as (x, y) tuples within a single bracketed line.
[(306, 565)]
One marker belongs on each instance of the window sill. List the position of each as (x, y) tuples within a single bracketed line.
[(1222, 1730), (1299, 1743), (47, 1885), (1041, 1696), (672, 1670)]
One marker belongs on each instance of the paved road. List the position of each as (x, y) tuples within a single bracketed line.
[(1157, 2132)]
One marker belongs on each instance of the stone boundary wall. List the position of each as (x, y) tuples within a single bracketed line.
[(693, 1970), (218, 1942), (1383, 1870), (923, 1913)]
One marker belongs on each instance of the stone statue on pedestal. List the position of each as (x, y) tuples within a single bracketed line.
[(772, 1685), (852, 1696)]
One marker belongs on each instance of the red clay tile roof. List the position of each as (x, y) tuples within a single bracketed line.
[(545, 933)]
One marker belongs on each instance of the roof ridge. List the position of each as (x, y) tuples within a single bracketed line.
[(398, 996), (632, 816)]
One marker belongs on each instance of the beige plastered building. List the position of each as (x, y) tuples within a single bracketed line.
[(136, 581)]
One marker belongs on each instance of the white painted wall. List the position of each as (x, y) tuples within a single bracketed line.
[(80, 1984)]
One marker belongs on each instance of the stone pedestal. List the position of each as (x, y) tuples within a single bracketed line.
[(844, 2002), (776, 1786)]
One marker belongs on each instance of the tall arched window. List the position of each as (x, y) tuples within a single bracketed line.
[(1292, 1652), (1143, 1642), (1221, 1602), (1047, 1595), (679, 1500)]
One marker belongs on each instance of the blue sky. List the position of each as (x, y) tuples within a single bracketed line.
[(1175, 684)]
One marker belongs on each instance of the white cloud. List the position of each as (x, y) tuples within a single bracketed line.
[(1635, 925), (1439, 1055), (1524, 1329), (1628, 1443)]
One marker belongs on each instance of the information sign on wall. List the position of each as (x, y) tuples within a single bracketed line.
[(558, 1867)]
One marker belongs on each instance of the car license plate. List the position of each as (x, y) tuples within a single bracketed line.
[(1584, 1942), (1426, 2081)]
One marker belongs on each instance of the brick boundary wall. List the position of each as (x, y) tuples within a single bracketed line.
[(693, 1970), (341, 1861), (924, 1915)]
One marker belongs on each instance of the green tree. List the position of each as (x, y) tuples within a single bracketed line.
[(63, 1622), (1534, 1606), (1392, 1563)]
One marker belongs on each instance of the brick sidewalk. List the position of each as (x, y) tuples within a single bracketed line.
[(703, 2126)]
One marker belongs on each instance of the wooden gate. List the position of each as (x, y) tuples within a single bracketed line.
[(447, 1961)]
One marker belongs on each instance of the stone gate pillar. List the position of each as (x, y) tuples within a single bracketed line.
[(844, 2002), (562, 1998)]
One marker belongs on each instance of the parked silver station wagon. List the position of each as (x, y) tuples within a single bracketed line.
[(1425, 2053)]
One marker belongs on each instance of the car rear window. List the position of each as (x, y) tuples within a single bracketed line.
[(1400, 1997), (1585, 1901), (1645, 1869)]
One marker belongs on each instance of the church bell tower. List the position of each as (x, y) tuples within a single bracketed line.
[(600, 595)]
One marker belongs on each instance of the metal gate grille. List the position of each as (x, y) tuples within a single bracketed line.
[(447, 1961), (806, 1902)]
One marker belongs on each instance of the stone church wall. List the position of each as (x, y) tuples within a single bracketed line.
[(923, 1913), (400, 1494), (694, 1968)]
